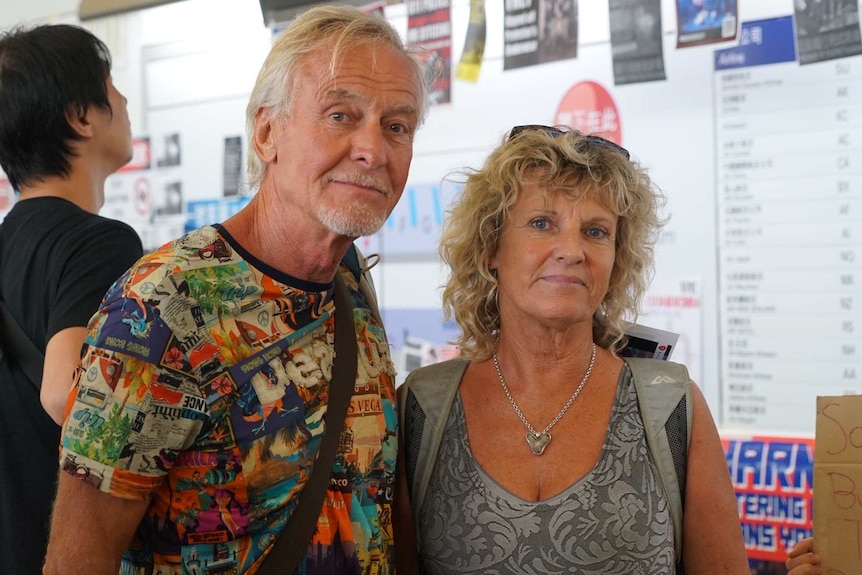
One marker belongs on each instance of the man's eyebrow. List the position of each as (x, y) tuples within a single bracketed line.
[(344, 94), (341, 94), (403, 109)]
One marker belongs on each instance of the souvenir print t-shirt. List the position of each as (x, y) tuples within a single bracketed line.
[(204, 385)]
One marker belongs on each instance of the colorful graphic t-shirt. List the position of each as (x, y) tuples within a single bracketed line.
[(204, 386)]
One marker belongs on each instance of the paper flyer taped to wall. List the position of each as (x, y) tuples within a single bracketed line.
[(650, 342)]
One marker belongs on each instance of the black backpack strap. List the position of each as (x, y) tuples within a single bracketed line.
[(351, 260), (15, 346), (294, 539), (359, 266)]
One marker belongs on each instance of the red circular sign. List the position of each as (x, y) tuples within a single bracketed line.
[(590, 109), (141, 196)]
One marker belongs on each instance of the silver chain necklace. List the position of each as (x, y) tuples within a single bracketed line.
[(539, 440)]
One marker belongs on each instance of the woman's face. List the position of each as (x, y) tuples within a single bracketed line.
[(555, 258)]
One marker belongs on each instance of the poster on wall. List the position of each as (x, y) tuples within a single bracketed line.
[(377, 8), (589, 108), (419, 337), (232, 167), (636, 41), (128, 192), (539, 31), (773, 481), (170, 152), (705, 21), (675, 305), (412, 231), (827, 29), (429, 26), (210, 211), (148, 195), (474, 44), (167, 215)]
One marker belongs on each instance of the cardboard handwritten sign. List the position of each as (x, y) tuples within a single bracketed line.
[(838, 484)]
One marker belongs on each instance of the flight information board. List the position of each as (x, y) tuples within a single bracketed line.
[(790, 225)]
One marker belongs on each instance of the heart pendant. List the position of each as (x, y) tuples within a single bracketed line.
[(538, 442)]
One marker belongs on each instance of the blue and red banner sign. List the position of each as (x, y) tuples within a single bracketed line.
[(773, 478)]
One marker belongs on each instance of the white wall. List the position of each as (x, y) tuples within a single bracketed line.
[(190, 65)]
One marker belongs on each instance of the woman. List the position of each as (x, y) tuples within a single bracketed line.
[(543, 466)]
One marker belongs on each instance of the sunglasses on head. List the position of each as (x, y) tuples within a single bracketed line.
[(554, 132)]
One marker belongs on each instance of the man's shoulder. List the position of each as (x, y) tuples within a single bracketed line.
[(103, 222), (195, 255), (60, 216)]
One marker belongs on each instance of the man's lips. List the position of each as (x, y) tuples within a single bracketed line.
[(364, 182)]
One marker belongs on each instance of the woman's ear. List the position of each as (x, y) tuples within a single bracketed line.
[(264, 136)]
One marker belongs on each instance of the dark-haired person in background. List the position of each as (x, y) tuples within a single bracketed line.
[(63, 130)]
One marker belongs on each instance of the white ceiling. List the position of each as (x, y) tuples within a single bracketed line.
[(19, 11)]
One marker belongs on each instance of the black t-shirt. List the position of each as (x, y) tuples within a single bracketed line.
[(56, 263)]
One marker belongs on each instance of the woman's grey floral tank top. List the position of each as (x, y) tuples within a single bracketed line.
[(613, 521)]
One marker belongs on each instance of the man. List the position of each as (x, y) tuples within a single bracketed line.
[(63, 129), (183, 451)]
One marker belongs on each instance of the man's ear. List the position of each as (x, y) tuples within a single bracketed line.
[(264, 136), (79, 120)]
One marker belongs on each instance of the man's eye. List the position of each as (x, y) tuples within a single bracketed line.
[(338, 116), (398, 129)]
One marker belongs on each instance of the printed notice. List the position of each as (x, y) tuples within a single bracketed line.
[(636, 41), (539, 31), (429, 26), (705, 21), (826, 30)]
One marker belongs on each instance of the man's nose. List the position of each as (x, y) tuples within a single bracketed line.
[(369, 145)]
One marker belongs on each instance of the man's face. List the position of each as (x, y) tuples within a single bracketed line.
[(343, 151)]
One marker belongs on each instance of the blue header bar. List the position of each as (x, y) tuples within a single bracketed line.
[(761, 42)]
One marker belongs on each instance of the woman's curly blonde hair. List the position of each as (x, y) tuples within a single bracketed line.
[(577, 166)]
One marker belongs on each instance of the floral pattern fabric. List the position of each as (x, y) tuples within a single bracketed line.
[(204, 387), (613, 521)]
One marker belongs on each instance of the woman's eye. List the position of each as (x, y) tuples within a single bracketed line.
[(597, 233), (540, 224), (338, 116)]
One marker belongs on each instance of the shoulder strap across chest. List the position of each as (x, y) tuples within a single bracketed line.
[(664, 400)]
